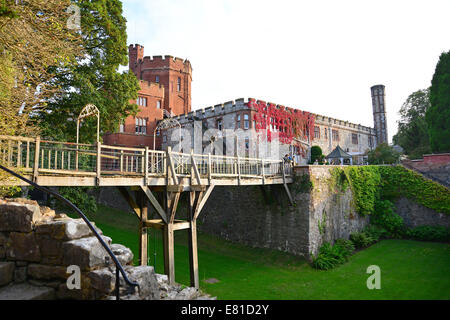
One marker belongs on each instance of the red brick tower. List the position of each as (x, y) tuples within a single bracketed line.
[(175, 74), (165, 84)]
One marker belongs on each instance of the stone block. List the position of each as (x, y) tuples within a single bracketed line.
[(6, 272), (102, 280), (25, 291), (51, 250), (146, 279), (87, 253), (20, 274), (123, 254), (19, 217), (23, 246), (46, 272), (64, 229)]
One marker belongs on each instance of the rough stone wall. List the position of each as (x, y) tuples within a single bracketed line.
[(331, 213), (241, 214), (415, 214), (37, 246)]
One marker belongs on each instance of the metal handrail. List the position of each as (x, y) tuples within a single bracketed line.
[(97, 235)]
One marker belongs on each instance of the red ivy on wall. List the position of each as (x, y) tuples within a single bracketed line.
[(288, 122)]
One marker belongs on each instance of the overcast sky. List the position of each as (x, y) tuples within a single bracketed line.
[(317, 56)]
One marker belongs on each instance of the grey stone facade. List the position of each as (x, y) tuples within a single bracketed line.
[(354, 138)]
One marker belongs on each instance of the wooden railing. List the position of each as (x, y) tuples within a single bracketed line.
[(65, 158)]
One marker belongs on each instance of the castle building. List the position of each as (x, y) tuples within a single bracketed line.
[(165, 91), (259, 122)]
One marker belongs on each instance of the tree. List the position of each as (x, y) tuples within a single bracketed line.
[(95, 78), (316, 154), (383, 154), (438, 115), (34, 38), (412, 134)]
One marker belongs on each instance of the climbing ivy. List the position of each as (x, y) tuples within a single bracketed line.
[(372, 183)]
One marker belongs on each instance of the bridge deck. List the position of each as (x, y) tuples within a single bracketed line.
[(53, 163)]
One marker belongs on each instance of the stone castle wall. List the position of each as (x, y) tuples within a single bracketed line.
[(242, 214)]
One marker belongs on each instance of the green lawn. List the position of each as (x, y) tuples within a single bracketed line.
[(409, 269)]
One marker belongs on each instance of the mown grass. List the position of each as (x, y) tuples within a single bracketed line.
[(409, 269)]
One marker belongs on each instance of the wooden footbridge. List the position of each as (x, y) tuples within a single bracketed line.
[(155, 177)]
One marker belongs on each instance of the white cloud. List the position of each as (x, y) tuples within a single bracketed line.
[(319, 56)]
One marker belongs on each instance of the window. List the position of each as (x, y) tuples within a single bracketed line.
[(316, 132), (370, 142), (238, 121), (219, 124), (179, 84), (354, 138), (157, 79), (335, 134), (141, 126), (254, 124), (158, 132), (121, 126), (326, 133), (141, 101), (158, 104), (246, 121)]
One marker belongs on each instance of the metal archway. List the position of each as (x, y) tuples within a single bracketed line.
[(88, 110), (166, 124)]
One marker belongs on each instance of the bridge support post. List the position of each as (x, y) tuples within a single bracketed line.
[(169, 256), (192, 239), (143, 241)]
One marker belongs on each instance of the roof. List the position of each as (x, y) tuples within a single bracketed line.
[(338, 153)]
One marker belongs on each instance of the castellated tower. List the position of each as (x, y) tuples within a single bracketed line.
[(175, 74), (379, 113)]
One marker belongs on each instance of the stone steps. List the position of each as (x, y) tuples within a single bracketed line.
[(25, 291)]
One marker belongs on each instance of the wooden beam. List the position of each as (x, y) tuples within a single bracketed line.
[(192, 239), (129, 198), (193, 254), (171, 166), (194, 165), (143, 243), (172, 203), (169, 256), (203, 201), (288, 194), (159, 224), (155, 203)]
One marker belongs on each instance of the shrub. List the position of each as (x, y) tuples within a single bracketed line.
[(429, 233), (385, 217), (346, 246), (361, 239), (330, 256), (376, 232)]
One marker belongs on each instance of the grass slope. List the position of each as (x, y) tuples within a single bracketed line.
[(409, 269)]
